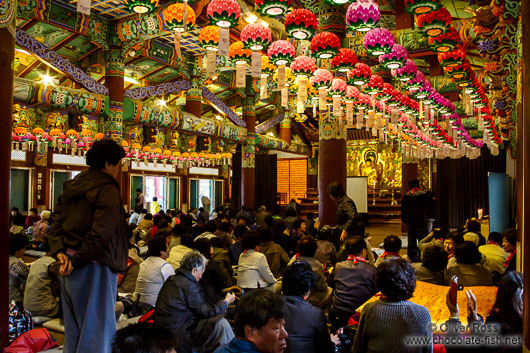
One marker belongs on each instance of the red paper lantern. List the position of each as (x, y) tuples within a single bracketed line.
[(325, 45), (359, 75), (419, 7), (435, 23), (444, 42), (344, 61), (375, 85), (459, 71), (386, 93), (301, 24), (452, 58)]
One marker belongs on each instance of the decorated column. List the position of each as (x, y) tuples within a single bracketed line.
[(114, 74), (248, 151), (332, 134), (285, 129), (194, 94), (7, 56)]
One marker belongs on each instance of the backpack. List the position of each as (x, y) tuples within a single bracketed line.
[(36, 340), (20, 321)]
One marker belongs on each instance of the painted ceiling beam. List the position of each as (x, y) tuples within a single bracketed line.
[(58, 62), (266, 125), (206, 93), (158, 90)]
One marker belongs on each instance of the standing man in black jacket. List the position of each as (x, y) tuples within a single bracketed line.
[(414, 209), (89, 239)]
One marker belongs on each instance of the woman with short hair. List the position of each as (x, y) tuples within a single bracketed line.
[(385, 324)]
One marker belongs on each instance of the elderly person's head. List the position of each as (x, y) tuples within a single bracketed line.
[(298, 280), (434, 258), (144, 338), (105, 155), (307, 246), (259, 319), (451, 240), (396, 279), (195, 263), (356, 246), (509, 240), (509, 302), (45, 215)]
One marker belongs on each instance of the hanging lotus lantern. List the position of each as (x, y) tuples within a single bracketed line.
[(386, 92), (444, 42), (419, 7), (364, 101), (374, 86), (173, 16), (435, 22), (352, 94), (338, 88), (466, 80), (224, 13), (344, 61), (378, 41), (415, 83), (325, 45), (281, 52), (273, 7), (209, 37), (363, 15), (422, 92), (458, 72), (359, 75), (452, 58), (395, 100), (256, 36), (303, 66), (395, 59), (267, 68), (238, 54), (321, 79), (141, 6), (301, 24), (406, 72)]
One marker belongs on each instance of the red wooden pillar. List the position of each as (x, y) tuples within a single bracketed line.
[(114, 75), (523, 174), (332, 135), (7, 50)]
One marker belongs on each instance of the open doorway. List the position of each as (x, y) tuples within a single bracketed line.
[(165, 189), (204, 190)]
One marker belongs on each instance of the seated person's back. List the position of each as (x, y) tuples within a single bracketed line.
[(41, 297), (392, 246), (354, 282), (213, 280), (154, 271), (276, 257), (305, 323), (254, 271), (434, 262), (468, 268), (176, 254)]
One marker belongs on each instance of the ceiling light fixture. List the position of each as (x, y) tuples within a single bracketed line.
[(251, 18)]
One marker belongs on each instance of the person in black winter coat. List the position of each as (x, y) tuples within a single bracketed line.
[(182, 308), (414, 212), (305, 323)]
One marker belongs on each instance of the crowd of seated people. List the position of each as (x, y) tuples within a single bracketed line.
[(294, 292)]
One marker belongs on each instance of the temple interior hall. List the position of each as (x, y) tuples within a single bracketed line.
[(265, 176)]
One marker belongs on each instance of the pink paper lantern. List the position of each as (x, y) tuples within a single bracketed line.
[(338, 88), (395, 59), (352, 94), (224, 13), (363, 15), (387, 92), (256, 36), (321, 79), (281, 52), (303, 66), (406, 72), (364, 101), (378, 41)]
